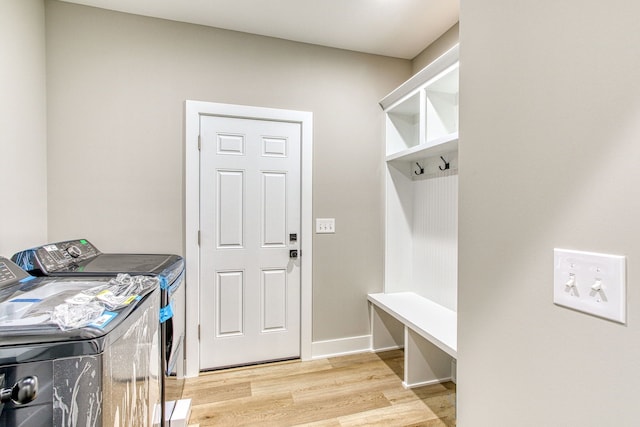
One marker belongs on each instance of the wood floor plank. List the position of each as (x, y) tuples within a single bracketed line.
[(253, 372), (281, 410), (322, 423), (241, 412), (439, 399), (358, 358), (355, 390), (410, 413), (332, 407), (401, 395), (219, 393), (372, 376)]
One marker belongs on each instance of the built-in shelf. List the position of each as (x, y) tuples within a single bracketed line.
[(417, 309), (442, 145), (421, 187), (421, 78), (423, 111)]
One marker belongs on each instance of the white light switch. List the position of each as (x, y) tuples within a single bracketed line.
[(325, 225), (590, 282)]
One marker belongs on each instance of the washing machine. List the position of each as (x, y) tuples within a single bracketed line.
[(65, 360), (78, 258)]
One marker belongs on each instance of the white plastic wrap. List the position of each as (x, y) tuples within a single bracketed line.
[(72, 304), (124, 289), (72, 316)]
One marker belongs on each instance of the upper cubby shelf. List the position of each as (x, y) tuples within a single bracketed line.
[(422, 114), (437, 147)]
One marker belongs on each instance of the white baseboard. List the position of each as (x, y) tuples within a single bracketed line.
[(340, 347), (380, 350), (424, 383), (181, 413)]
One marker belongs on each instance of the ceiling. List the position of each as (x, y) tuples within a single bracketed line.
[(396, 28)]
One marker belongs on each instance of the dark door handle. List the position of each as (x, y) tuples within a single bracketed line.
[(293, 253)]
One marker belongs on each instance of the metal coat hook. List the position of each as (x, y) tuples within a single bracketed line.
[(446, 165), (421, 169)]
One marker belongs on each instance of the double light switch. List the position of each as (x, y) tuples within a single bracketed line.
[(325, 225), (590, 282)]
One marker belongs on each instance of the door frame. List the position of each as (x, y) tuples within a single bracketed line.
[(191, 212)]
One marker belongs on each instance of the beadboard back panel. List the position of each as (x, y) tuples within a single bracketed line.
[(422, 230), (435, 238)]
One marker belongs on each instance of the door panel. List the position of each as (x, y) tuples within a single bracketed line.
[(232, 145), (274, 304), (231, 292), (250, 204), (274, 208), (274, 147), (230, 213)]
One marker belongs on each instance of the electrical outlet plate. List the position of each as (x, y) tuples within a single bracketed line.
[(325, 225), (590, 282)]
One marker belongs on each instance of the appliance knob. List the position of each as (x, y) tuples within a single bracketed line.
[(24, 391), (74, 251)]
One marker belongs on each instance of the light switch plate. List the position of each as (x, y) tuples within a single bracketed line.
[(590, 282), (325, 225)]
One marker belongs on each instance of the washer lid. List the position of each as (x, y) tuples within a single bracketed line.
[(47, 309), (80, 257), (43, 345), (124, 263)]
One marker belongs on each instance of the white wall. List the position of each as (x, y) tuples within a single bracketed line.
[(117, 85), (23, 169), (549, 157)]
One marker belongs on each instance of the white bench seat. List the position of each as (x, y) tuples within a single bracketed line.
[(429, 330), (432, 321)]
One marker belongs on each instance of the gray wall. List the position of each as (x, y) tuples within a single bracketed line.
[(549, 157), (445, 42), (116, 90), (23, 122)]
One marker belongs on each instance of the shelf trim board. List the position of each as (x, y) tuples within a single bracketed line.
[(443, 62), (430, 320)]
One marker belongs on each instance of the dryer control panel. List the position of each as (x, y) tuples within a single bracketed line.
[(56, 256)]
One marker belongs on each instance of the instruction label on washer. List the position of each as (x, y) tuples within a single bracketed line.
[(104, 319)]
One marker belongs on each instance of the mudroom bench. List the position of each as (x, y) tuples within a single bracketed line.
[(426, 330)]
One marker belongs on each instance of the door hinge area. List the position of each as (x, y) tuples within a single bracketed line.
[(199, 143), (198, 237), (198, 332)]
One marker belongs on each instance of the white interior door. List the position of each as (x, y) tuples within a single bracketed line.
[(249, 223)]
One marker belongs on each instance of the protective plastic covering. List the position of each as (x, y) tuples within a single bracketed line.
[(72, 316), (70, 304), (119, 292)]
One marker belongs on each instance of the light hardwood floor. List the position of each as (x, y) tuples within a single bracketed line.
[(355, 390)]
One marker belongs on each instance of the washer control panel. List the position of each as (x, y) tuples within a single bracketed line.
[(56, 256), (10, 273)]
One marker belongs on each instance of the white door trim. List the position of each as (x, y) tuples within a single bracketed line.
[(193, 111)]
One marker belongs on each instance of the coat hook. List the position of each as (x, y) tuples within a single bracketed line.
[(421, 169), (446, 165)]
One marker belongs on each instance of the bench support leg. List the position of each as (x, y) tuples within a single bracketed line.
[(424, 363), (386, 332)]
